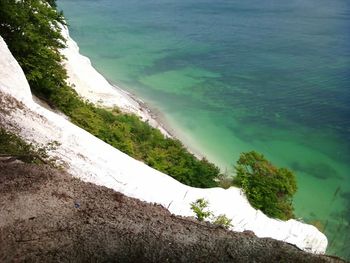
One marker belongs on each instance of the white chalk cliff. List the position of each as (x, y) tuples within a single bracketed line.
[(94, 161), (92, 86)]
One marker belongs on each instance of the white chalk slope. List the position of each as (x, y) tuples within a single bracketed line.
[(94, 161), (92, 86)]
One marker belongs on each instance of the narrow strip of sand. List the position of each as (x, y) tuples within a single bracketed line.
[(91, 85), (94, 87)]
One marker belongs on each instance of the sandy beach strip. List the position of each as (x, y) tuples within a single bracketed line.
[(92, 86)]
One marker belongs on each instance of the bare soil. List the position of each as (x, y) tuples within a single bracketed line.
[(48, 216)]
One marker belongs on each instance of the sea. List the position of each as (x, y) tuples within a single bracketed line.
[(230, 76)]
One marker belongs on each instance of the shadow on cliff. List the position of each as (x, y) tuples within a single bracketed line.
[(48, 216)]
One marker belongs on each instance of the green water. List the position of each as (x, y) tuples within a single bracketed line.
[(233, 76)]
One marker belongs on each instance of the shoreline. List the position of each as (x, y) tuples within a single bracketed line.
[(91, 85), (94, 87), (92, 160), (160, 120)]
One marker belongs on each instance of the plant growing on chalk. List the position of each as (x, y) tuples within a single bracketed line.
[(224, 180), (223, 220), (201, 209), (15, 148)]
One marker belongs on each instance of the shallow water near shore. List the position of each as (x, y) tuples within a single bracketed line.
[(233, 76)]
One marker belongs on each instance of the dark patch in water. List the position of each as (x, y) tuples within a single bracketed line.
[(248, 136), (346, 196), (341, 229), (111, 56), (318, 170)]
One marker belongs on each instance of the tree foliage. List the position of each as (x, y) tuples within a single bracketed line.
[(32, 32), (267, 187)]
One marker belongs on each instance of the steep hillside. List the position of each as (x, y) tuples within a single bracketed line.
[(48, 216), (92, 160)]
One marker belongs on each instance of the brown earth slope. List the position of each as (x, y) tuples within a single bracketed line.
[(48, 216)]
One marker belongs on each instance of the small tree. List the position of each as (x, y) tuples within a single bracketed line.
[(200, 208), (267, 187)]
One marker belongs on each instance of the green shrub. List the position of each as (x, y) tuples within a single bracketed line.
[(12, 146), (267, 187), (200, 208), (223, 221), (30, 29)]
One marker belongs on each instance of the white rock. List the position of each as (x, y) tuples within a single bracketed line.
[(92, 160), (92, 86)]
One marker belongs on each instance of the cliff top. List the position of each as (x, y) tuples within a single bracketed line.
[(50, 216)]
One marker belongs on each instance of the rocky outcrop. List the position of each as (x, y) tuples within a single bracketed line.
[(88, 158)]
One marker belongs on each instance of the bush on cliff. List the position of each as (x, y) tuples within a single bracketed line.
[(12, 147), (31, 31), (267, 187)]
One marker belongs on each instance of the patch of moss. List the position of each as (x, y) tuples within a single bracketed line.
[(12, 146)]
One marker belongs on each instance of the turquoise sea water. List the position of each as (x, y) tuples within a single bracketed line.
[(231, 76)]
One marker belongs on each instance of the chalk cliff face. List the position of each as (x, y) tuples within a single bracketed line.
[(92, 86), (92, 160)]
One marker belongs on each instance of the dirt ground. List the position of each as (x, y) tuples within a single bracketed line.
[(48, 216)]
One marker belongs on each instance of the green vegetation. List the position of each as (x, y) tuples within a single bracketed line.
[(224, 180), (223, 221), (267, 187), (201, 208), (139, 140), (12, 146), (31, 30)]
